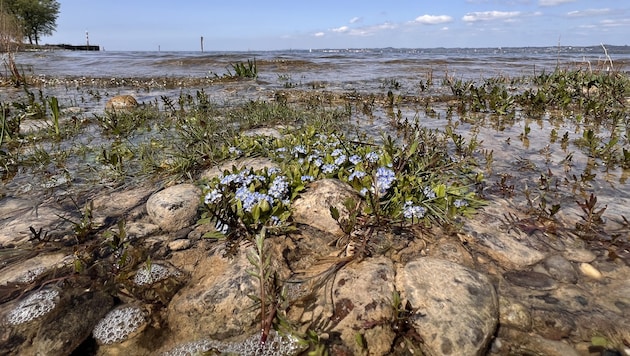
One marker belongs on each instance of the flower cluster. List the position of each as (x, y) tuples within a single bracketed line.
[(411, 211), (384, 179), (255, 197)]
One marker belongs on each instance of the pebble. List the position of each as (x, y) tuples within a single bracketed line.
[(588, 270)]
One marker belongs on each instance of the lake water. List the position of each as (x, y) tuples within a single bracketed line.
[(351, 70), (336, 67)]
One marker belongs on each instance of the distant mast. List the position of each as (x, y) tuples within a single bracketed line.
[(201, 44)]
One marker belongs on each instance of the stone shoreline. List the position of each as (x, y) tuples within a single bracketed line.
[(484, 292)]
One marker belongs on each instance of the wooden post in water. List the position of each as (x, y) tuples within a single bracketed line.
[(201, 44)]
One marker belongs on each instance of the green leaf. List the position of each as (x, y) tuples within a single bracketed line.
[(599, 341), (334, 212)]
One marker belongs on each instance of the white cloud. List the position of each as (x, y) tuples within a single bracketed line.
[(341, 29), (615, 23), (588, 12), (490, 15), (553, 2), (355, 19), (319, 34), (433, 19)]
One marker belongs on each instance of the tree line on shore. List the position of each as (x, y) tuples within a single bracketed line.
[(26, 20)]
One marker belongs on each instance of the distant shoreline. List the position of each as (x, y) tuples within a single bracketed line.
[(62, 46)]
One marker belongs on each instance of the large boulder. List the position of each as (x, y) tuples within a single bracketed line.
[(215, 303), (457, 308)]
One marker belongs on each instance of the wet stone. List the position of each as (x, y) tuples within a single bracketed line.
[(588, 270), (552, 325), (560, 269), (579, 255), (514, 314), (531, 280)]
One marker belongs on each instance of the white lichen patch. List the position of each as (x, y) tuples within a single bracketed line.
[(149, 274), (118, 324), (34, 306)]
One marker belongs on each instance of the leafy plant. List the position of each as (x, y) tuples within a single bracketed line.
[(244, 70)]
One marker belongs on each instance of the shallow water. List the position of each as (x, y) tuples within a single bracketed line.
[(83, 81)]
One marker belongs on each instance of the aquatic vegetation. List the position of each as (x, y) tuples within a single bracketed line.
[(244, 70)]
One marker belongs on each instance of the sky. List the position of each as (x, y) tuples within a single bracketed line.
[(241, 25)]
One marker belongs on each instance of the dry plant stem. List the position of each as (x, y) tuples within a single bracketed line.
[(612, 68)]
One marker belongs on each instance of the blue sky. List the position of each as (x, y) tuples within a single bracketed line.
[(272, 24)]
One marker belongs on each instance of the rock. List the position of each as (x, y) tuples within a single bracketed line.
[(553, 325), (579, 255), (215, 303), (560, 269), (174, 208), (530, 279), (264, 131), (362, 299), (28, 270), (507, 250), (532, 344), (139, 230), (178, 245), (70, 327), (514, 314), (115, 205), (457, 308), (588, 270), (53, 223), (453, 251), (313, 206), (121, 102)]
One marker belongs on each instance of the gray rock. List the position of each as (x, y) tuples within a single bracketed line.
[(579, 255), (560, 269), (457, 308), (174, 208), (530, 279)]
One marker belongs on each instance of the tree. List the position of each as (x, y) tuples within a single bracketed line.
[(37, 18), (10, 31)]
